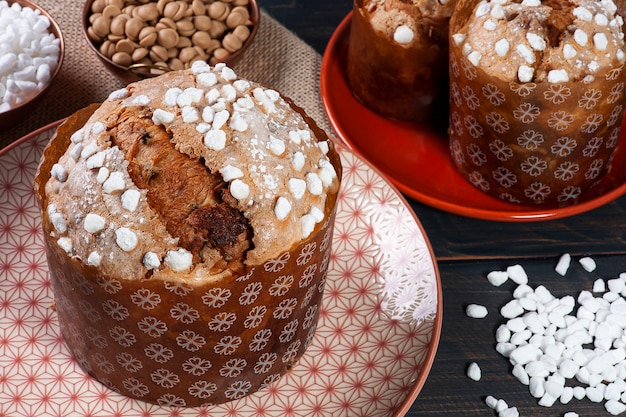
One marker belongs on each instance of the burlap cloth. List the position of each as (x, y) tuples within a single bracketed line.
[(277, 58)]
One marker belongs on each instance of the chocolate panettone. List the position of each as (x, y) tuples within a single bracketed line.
[(536, 96), (187, 222)]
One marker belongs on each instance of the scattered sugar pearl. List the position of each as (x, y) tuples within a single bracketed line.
[(491, 401), (297, 187), (317, 214), (583, 14), (517, 274), (601, 20), (220, 119), (215, 139), (151, 260), (403, 35), (161, 116), (525, 73), (77, 136), (103, 174), (94, 223), (170, 96), (599, 286), (179, 260), (563, 264), (58, 222), (140, 100), (230, 173), (297, 161), (497, 278), (327, 172), (264, 100), (587, 263), (96, 160), (120, 94), (94, 259), (526, 53), (600, 42), (569, 51), (88, 150), (558, 76), (570, 414), (200, 67), (474, 57), (126, 239), (227, 73), (130, 199), (276, 146), (536, 42), (239, 189), (97, 128), (307, 224), (76, 151), (65, 243), (497, 11), (59, 172), (473, 372), (114, 183), (190, 114), (476, 311), (314, 184), (282, 208), (482, 9), (238, 122), (502, 47), (458, 38), (580, 36)]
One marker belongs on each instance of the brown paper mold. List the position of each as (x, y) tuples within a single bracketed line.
[(545, 139), (398, 57), (186, 342)]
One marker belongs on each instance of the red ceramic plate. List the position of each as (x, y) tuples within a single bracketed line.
[(375, 343), (415, 157)]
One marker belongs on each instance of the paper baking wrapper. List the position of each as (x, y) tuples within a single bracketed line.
[(399, 82), (532, 142), (176, 343)]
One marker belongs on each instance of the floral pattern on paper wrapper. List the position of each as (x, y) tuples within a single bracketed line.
[(533, 143), (165, 342)]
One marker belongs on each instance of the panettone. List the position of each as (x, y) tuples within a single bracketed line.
[(187, 226)]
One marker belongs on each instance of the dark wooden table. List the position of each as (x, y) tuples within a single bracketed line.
[(466, 250)]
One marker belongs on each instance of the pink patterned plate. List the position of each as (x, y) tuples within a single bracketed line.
[(375, 344)]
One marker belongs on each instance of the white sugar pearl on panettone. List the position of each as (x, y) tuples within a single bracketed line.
[(94, 223), (297, 187), (239, 189), (94, 259), (215, 139), (151, 260), (59, 172), (282, 208), (161, 116), (126, 239), (230, 173), (403, 34), (114, 183), (130, 199), (179, 260)]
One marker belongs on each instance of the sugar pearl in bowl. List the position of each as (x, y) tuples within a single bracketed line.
[(31, 54), (140, 38)]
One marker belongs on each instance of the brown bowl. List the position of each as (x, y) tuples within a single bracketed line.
[(135, 72), (17, 114)]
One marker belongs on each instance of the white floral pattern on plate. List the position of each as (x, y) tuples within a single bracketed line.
[(375, 343)]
